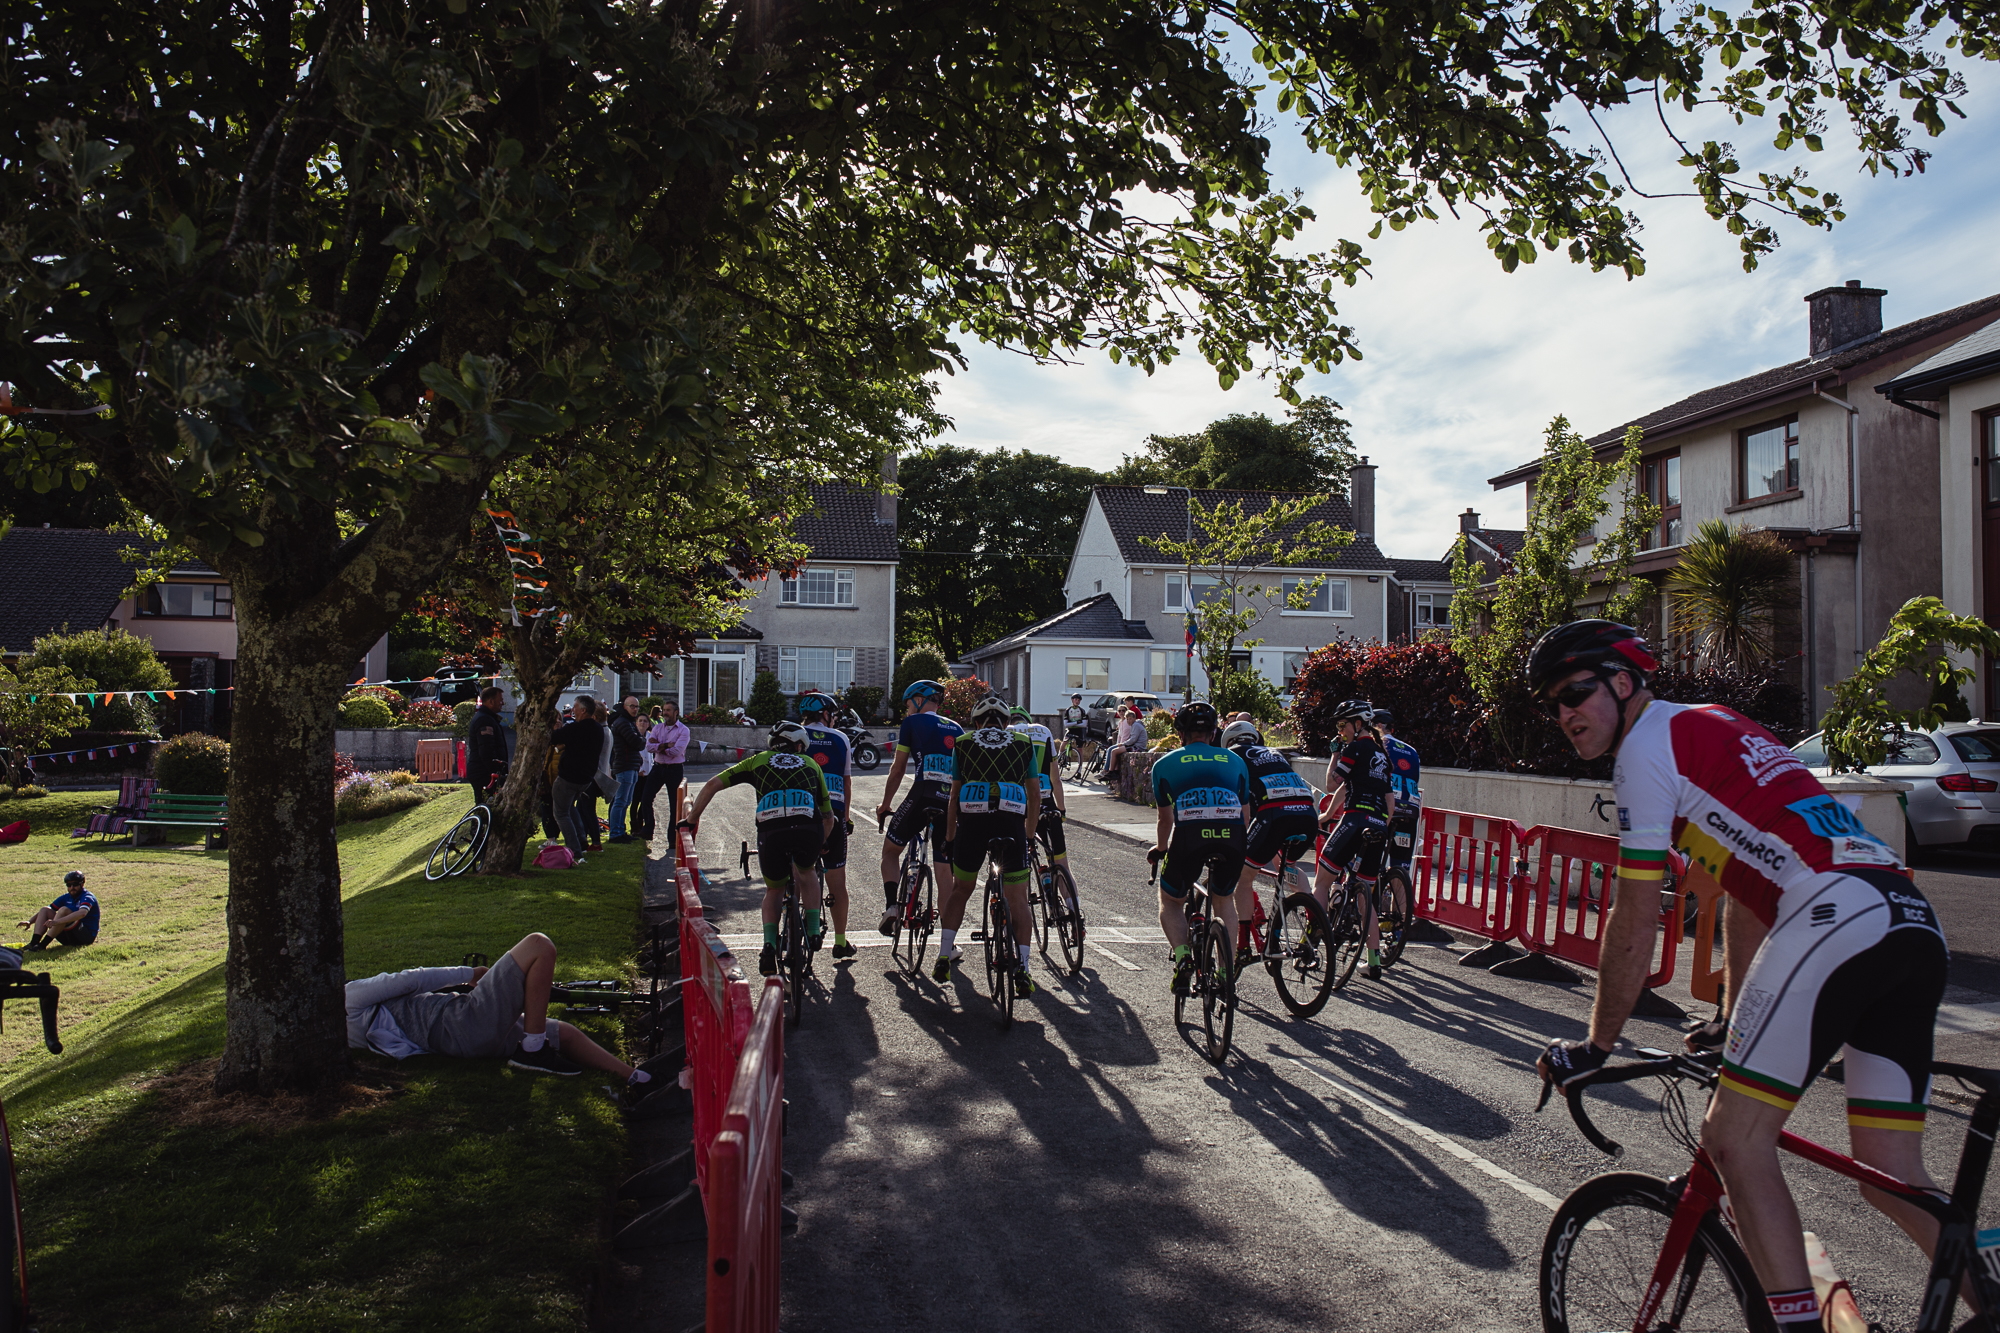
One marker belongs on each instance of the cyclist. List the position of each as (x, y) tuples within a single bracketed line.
[(1406, 770), (1075, 722), (1360, 773), (1281, 811), (829, 749), (794, 820), (994, 804), (925, 740), (1201, 791), (1847, 950), (1049, 828)]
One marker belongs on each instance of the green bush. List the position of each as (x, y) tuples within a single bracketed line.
[(372, 800), (767, 702), (923, 662), (1248, 692), (427, 715), (361, 712), (193, 764), (461, 717), (1159, 724), (402, 777), (107, 661), (865, 700)]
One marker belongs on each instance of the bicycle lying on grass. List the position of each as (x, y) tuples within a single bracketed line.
[(15, 1312), (1631, 1251), (459, 850)]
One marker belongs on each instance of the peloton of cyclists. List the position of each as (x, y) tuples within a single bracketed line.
[(1847, 950), (1359, 771), (828, 747), (1281, 804), (1049, 828), (925, 741), (994, 804), (1201, 791)]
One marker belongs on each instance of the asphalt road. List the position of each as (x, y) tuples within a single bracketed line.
[(1380, 1167)]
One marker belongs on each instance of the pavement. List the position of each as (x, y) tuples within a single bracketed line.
[(1379, 1167)]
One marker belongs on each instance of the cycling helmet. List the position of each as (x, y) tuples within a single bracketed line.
[(73, 879), (816, 702), (1243, 733), (789, 736), (922, 689), (1355, 710), (1020, 714), (1384, 718), (1600, 646), (990, 712), (1200, 715)]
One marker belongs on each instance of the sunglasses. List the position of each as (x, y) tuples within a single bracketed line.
[(1570, 696)]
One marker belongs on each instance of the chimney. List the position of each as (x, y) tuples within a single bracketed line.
[(1843, 316), (1469, 520), (885, 499), (1361, 496)]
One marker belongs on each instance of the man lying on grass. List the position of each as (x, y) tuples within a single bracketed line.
[(504, 1015)]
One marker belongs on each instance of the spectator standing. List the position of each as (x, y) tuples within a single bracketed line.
[(576, 774), (628, 740), (666, 746), (485, 743)]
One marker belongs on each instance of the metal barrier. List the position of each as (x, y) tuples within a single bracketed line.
[(1466, 877), (715, 1010), (435, 761), (745, 1180)]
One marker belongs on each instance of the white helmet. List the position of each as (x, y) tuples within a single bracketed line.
[(990, 712), (789, 736), (1239, 732)]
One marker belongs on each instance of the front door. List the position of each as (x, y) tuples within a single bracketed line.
[(725, 678), (1989, 546)]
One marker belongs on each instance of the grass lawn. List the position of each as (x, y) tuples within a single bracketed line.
[(464, 1196)]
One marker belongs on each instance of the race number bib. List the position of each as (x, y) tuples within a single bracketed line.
[(975, 798), (1286, 786), (836, 787), (1207, 803), (937, 768), (786, 804), (1013, 798)]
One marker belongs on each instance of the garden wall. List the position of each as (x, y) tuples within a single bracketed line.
[(380, 749)]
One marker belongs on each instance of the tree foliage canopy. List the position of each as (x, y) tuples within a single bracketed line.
[(1311, 450)]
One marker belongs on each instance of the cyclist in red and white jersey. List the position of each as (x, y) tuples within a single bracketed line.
[(1828, 942)]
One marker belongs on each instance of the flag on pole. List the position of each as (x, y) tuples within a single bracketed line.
[(1190, 631)]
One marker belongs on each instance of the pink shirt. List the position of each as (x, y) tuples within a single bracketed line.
[(668, 742)]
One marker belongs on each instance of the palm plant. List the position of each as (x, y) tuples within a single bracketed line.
[(1727, 590)]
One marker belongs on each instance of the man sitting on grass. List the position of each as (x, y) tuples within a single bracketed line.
[(505, 1014), (71, 919)]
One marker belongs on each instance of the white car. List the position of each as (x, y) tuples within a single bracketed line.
[(1954, 772)]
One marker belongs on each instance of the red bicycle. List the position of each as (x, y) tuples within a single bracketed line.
[(1631, 1251)]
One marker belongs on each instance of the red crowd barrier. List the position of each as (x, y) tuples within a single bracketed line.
[(715, 1011), (1575, 877), (745, 1181), (1465, 873)]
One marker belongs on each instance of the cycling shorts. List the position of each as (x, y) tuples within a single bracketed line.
[(1357, 843), (1854, 959), (1076, 731), (783, 844), (1001, 832), (1402, 848), (1269, 832), (920, 810), (833, 852), (1049, 828), (1211, 845)]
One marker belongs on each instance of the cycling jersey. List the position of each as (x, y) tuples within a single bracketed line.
[(994, 768), (1364, 767), (1204, 785), (1405, 775), (1723, 790), (790, 787), (1044, 752), (1274, 785), (1075, 718), (829, 749), (928, 738)]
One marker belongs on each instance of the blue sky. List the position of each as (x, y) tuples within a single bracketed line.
[(1463, 365)]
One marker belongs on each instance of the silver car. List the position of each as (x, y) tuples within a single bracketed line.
[(1954, 777)]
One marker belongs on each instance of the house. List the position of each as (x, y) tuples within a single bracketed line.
[(1421, 590), (1962, 384), (1812, 453), (1114, 558), (831, 625), (73, 579), (1078, 650)]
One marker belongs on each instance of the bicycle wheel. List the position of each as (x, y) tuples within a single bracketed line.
[(1000, 952), (1601, 1249), (458, 850), (1301, 959), (1068, 918), (1038, 905), (1197, 932), (1392, 905), (792, 956), (1346, 932), (1217, 973)]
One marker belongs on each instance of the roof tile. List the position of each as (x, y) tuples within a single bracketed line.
[(843, 525), (1098, 618), (1134, 514), (61, 576)]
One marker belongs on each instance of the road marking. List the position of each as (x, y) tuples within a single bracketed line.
[(1129, 967), (1450, 1145)]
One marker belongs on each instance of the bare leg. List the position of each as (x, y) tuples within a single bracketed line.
[(1172, 922), (805, 883), (571, 1044), (536, 957), (957, 894), (773, 900), (1741, 1135), (836, 889), (1365, 890), (1016, 895), (892, 862)]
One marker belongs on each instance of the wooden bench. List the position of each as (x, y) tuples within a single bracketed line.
[(165, 810)]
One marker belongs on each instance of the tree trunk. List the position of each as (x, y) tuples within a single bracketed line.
[(516, 808), (286, 965)]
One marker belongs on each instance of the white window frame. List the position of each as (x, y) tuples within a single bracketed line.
[(788, 668), (1328, 587), (1161, 682), (792, 592), (1426, 603), (1175, 594), (1077, 669)]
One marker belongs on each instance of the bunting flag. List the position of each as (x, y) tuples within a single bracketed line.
[(92, 698), (525, 563), (107, 752)]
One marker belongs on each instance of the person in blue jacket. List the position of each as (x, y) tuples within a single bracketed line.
[(72, 918)]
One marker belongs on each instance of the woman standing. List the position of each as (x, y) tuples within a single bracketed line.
[(667, 744)]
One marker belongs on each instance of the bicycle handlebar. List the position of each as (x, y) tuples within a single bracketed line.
[(1660, 1063), (19, 985)]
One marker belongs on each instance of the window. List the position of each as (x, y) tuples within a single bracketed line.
[(1660, 482), (665, 681), (1911, 750), (1767, 461), (1089, 673), (804, 669), (1811, 752), (1976, 747), (1168, 673), (588, 680), (1204, 588), (1330, 598), (1097, 585), (819, 587), (1432, 610), (186, 599), (1294, 662)]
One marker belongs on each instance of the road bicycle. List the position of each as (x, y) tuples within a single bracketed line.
[(1632, 1251), (1347, 920), (1053, 903), (795, 949), (1003, 958), (916, 891), (16, 1315), (1296, 942), (1083, 759), (1212, 983), (459, 850)]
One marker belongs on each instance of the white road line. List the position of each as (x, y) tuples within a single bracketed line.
[(1129, 967), (1450, 1145)]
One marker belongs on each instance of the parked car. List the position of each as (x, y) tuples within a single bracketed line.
[(1954, 777), (1104, 711)]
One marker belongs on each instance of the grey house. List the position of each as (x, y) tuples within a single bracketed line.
[(1075, 651)]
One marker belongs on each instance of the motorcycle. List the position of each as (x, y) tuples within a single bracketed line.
[(867, 752)]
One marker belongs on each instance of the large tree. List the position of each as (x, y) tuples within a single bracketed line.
[(986, 538), (1309, 451)]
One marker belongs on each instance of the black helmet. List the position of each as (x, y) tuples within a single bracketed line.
[(1200, 715), (1384, 718), (1602, 646), (1355, 710)]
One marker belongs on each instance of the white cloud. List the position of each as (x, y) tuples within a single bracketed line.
[(1465, 365)]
